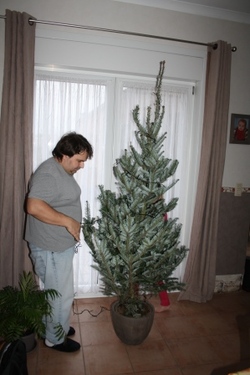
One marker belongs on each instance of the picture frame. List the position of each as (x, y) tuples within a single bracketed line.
[(239, 130)]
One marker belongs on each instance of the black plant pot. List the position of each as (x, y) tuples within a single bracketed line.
[(131, 331), (30, 341)]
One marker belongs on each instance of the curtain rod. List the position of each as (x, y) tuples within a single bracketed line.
[(93, 28)]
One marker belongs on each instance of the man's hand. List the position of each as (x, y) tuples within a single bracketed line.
[(74, 229)]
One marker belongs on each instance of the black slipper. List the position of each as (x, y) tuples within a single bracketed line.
[(68, 346), (71, 331)]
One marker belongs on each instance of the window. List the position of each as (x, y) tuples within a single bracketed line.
[(101, 110)]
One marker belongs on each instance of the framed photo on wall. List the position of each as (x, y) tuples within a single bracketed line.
[(239, 130)]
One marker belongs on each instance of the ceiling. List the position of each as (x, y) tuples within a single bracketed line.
[(233, 10), (242, 6)]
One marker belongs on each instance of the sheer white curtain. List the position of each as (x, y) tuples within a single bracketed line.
[(64, 104), (177, 101), (102, 112)]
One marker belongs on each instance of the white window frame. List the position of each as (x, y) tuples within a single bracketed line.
[(114, 84)]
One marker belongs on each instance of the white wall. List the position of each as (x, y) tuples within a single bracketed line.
[(113, 53)]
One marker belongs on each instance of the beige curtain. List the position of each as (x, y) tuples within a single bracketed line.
[(16, 143), (201, 263)]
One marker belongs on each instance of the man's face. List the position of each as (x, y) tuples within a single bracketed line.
[(72, 164)]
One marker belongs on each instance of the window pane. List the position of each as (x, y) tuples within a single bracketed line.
[(175, 123), (66, 104)]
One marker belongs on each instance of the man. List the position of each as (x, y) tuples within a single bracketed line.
[(53, 229)]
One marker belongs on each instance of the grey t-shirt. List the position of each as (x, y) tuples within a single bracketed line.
[(52, 184)]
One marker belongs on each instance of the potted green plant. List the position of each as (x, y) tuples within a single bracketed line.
[(134, 249), (22, 310)]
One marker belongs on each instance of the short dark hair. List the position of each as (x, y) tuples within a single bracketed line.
[(71, 144), (243, 120)]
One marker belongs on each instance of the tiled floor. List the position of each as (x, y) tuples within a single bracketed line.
[(189, 339)]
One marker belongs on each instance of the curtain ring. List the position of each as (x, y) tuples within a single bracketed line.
[(31, 21)]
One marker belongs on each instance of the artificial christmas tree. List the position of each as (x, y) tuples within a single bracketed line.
[(134, 243)]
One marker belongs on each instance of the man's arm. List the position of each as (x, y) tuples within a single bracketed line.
[(45, 213)]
